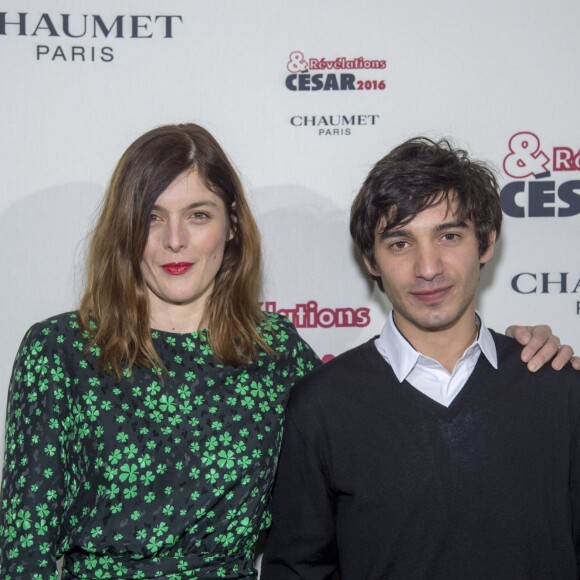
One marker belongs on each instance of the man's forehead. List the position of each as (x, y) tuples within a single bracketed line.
[(445, 207)]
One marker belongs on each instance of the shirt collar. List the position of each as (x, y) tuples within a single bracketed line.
[(403, 357)]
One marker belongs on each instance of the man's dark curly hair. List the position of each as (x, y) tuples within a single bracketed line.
[(417, 175)]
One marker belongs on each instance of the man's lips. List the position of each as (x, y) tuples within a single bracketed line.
[(429, 296), (177, 268)]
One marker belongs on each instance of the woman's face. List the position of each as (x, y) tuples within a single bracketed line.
[(188, 230)]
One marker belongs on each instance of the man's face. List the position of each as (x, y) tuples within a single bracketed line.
[(430, 270)]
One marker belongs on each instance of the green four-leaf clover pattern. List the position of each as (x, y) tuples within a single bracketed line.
[(161, 474)]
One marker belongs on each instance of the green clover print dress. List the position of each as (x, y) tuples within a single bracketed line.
[(154, 476)]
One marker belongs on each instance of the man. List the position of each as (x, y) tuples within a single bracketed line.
[(430, 452)]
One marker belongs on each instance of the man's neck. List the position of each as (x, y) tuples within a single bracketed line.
[(445, 345)]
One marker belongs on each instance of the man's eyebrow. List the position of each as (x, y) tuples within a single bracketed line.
[(451, 225), (402, 232), (397, 233)]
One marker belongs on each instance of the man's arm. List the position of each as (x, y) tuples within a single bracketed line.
[(302, 543), (574, 482), (541, 346)]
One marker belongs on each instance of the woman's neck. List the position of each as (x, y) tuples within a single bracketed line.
[(176, 318)]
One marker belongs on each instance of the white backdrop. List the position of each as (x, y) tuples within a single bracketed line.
[(82, 79)]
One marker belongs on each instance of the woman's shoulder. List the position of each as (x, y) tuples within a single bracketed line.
[(275, 328), (56, 330), (281, 335), (48, 349), (64, 323)]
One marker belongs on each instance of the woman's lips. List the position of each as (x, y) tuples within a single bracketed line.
[(177, 268)]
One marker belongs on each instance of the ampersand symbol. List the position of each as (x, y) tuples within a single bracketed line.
[(297, 62), (525, 157)]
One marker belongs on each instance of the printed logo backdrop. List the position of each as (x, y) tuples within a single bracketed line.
[(305, 97)]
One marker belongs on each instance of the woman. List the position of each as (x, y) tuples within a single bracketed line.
[(143, 429)]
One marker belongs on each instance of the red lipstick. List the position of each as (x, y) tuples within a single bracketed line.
[(177, 268)]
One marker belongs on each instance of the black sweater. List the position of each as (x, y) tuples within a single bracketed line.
[(379, 481)]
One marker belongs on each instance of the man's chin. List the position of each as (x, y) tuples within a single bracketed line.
[(434, 322)]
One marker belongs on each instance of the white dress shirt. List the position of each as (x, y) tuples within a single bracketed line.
[(426, 374)]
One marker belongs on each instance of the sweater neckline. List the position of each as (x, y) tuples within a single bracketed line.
[(476, 380)]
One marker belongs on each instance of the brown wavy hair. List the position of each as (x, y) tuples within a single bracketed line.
[(114, 308)]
